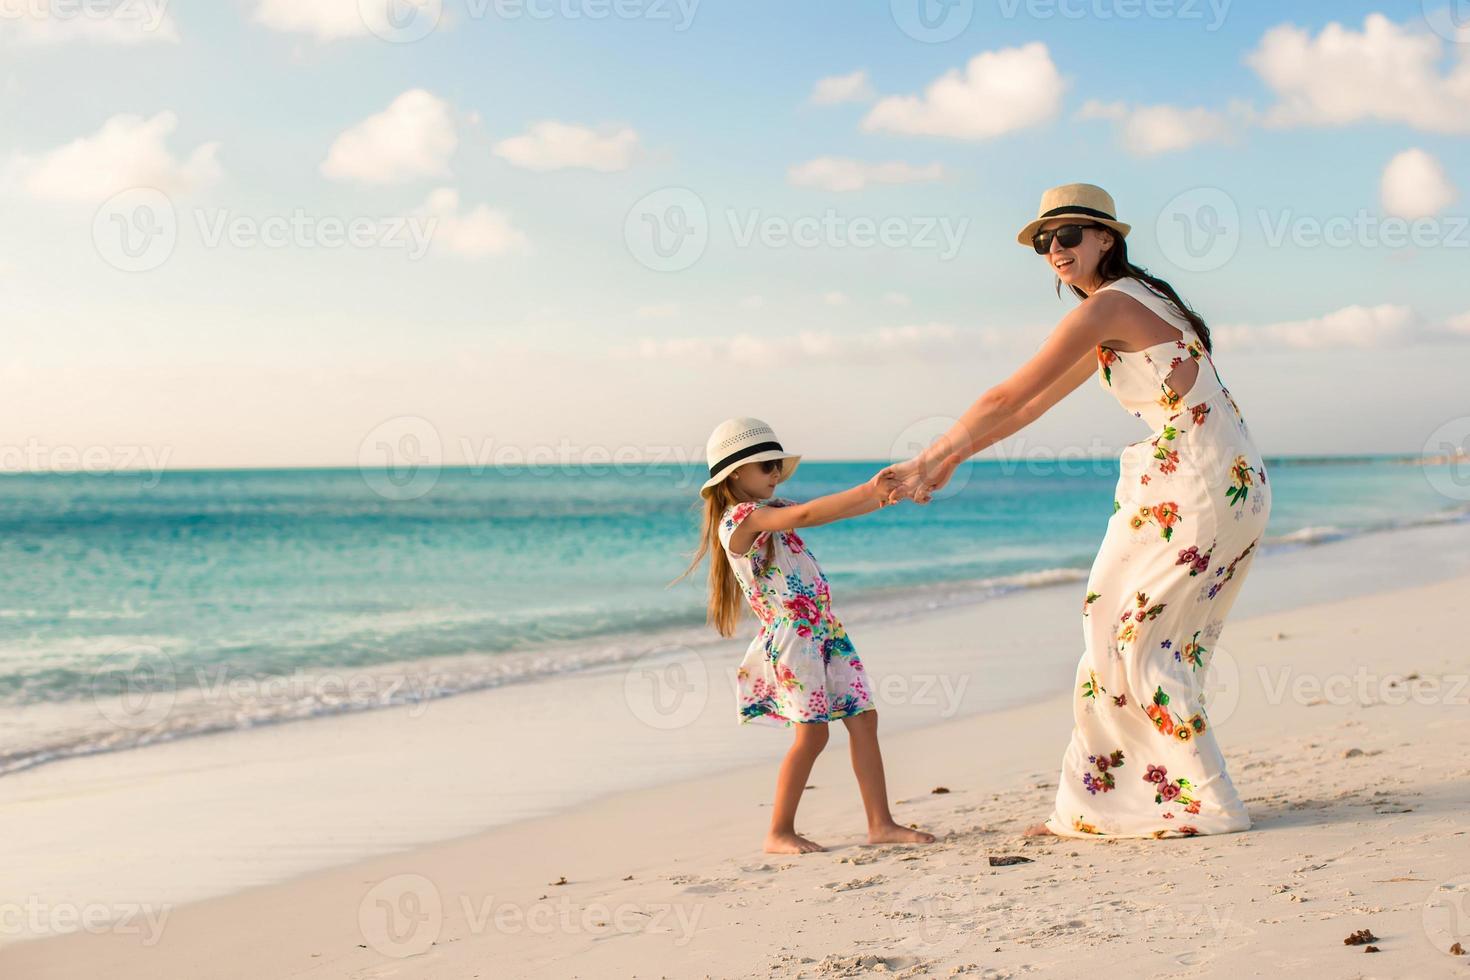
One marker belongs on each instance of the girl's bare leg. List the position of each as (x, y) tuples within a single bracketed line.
[(867, 765), (796, 768)]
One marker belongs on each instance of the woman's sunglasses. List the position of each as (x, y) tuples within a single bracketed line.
[(769, 466), (1069, 235)]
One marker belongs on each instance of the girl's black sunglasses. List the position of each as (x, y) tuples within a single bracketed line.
[(769, 466), (1069, 235)]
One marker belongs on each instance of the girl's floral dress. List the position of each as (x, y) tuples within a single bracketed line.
[(801, 667), (1190, 508)]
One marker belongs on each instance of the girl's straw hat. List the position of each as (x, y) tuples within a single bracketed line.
[(1075, 201), (738, 441)]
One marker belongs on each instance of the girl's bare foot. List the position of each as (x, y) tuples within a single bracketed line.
[(792, 843), (894, 833), (1038, 830)]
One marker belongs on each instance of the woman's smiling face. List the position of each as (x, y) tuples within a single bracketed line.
[(1077, 266)]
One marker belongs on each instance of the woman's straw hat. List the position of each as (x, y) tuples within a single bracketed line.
[(1075, 201), (738, 441)]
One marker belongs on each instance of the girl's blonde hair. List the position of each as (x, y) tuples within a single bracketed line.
[(726, 600)]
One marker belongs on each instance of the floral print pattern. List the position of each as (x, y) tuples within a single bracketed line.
[(1189, 511), (801, 667), (1103, 781)]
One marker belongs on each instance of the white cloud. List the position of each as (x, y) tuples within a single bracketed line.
[(926, 341), (333, 20), (835, 298), (1363, 327), (1459, 324), (552, 145), (842, 174), (657, 311), (128, 151), (835, 89), (124, 22), (998, 92), (896, 299), (478, 233), (414, 137), (1385, 72), (752, 302), (1147, 130), (1414, 185), (1387, 326)]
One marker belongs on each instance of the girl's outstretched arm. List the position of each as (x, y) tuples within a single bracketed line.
[(861, 499)]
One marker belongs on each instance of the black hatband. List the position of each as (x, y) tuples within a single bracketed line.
[(1076, 209), (745, 453)]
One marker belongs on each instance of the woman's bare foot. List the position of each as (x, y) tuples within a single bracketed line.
[(792, 843), (1038, 830), (898, 834)]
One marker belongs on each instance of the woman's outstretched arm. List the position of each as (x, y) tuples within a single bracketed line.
[(1085, 368), (1062, 363)]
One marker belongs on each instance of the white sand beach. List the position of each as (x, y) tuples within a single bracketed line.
[(1344, 721)]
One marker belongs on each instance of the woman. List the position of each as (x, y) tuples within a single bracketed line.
[(1188, 514)]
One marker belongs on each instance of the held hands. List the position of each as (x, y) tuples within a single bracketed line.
[(883, 485), (912, 480)]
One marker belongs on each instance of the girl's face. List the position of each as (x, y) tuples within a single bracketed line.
[(755, 481), (1077, 265)]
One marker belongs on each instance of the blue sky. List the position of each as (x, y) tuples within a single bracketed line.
[(530, 322)]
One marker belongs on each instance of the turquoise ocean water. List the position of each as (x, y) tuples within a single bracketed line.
[(235, 598)]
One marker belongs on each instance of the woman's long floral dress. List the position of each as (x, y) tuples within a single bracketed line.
[(801, 667), (1189, 512)]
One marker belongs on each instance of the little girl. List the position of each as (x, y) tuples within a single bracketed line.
[(801, 669)]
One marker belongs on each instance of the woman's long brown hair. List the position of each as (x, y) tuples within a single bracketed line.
[(1115, 265), (726, 600)]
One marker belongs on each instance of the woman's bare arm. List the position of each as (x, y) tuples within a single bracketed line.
[(1041, 381), (1085, 368)]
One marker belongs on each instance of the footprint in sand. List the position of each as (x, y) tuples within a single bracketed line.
[(854, 884), (710, 887)]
